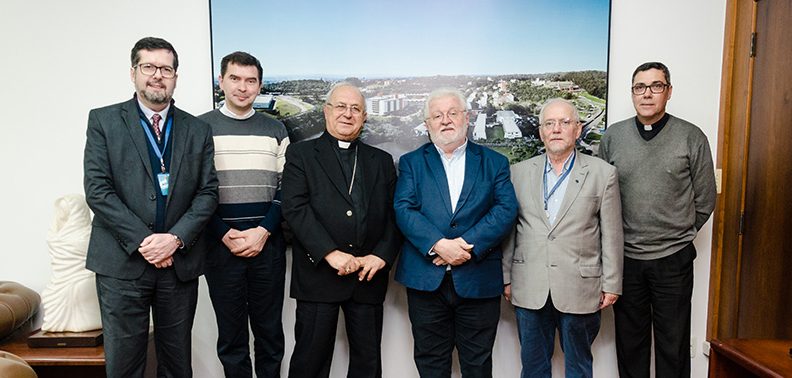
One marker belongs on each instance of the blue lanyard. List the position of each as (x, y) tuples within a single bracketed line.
[(560, 179), (154, 144)]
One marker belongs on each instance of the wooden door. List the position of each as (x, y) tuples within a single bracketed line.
[(766, 274), (751, 273)]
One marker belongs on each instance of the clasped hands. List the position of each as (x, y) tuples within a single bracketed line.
[(247, 243), (345, 263), (158, 249), (452, 252)]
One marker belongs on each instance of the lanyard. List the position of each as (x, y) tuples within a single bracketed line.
[(154, 144), (558, 183)]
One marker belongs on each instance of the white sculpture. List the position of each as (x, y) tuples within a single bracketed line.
[(69, 300)]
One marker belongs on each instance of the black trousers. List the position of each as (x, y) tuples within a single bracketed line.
[(125, 306), (315, 330), (442, 320), (656, 295), (251, 289)]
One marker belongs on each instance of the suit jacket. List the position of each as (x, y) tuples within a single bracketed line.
[(120, 189), (318, 208), (580, 255), (484, 215)]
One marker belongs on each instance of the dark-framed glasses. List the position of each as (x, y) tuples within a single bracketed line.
[(149, 69), (656, 88), (454, 114), (565, 123), (341, 108)]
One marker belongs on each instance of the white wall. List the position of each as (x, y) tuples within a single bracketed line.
[(61, 59)]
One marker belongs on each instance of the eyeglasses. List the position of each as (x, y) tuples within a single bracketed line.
[(342, 108), (149, 69), (656, 87), (565, 123), (453, 114)]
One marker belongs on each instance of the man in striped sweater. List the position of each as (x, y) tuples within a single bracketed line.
[(246, 267)]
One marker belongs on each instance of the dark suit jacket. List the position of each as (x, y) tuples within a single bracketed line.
[(318, 209), (120, 189), (484, 215)]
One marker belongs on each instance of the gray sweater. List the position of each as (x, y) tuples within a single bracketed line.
[(667, 185)]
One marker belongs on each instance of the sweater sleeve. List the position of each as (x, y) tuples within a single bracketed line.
[(702, 174)]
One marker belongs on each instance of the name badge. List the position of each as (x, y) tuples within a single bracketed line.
[(163, 182)]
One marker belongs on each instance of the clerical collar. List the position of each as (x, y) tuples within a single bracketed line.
[(650, 131), (228, 113), (341, 144)]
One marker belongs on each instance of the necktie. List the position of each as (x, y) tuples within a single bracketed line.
[(155, 121)]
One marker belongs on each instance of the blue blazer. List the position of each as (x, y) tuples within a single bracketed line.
[(484, 215)]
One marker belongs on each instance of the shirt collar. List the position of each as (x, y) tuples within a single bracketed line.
[(458, 152), (549, 167), (148, 113), (228, 113)]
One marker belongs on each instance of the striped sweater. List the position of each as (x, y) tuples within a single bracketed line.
[(249, 158)]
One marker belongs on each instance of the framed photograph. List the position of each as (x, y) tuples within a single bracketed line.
[(506, 56)]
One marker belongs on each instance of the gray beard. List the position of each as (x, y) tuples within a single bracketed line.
[(156, 98)]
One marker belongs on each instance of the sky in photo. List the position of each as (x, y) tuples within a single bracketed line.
[(371, 39)]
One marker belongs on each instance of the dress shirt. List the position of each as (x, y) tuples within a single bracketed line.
[(455, 172), (150, 113), (554, 202)]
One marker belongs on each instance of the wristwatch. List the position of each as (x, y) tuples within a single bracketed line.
[(178, 241)]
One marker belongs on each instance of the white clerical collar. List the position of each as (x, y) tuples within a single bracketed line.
[(150, 113), (228, 113), (344, 144)]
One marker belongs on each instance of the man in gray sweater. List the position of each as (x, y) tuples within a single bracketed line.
[(667, 186)]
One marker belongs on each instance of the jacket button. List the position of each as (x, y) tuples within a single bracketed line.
[(551, 238), (150, 226), (349, 213), (152, 196), (453, 225)]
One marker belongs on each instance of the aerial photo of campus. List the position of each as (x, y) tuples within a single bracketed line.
[(506, 56)]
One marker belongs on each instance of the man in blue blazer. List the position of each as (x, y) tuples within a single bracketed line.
[(454, 203), (151, 183)]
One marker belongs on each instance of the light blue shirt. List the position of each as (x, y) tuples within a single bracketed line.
[(455, 172), (554, 202)]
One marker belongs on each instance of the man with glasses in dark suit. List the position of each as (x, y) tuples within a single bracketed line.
[(338, 201), (151, 183)]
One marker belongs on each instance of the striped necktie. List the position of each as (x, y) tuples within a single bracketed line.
[(155, 121)]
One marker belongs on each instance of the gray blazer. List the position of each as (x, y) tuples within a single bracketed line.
[(120, 189), (578, 257)]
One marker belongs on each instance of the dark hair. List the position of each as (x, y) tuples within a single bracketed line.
[(240, 58), (654, 65), (154, 43)]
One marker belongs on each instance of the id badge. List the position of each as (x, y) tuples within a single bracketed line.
[(163, 182)]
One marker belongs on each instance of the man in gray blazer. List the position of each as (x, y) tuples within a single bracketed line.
[(151, 183), (562, 264)]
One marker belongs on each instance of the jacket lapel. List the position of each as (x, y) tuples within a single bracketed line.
[(368, 165), (472, 169), (574, 183), (131, 117), (178, 145), (327, 159), (438, 174), (537, 173)]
